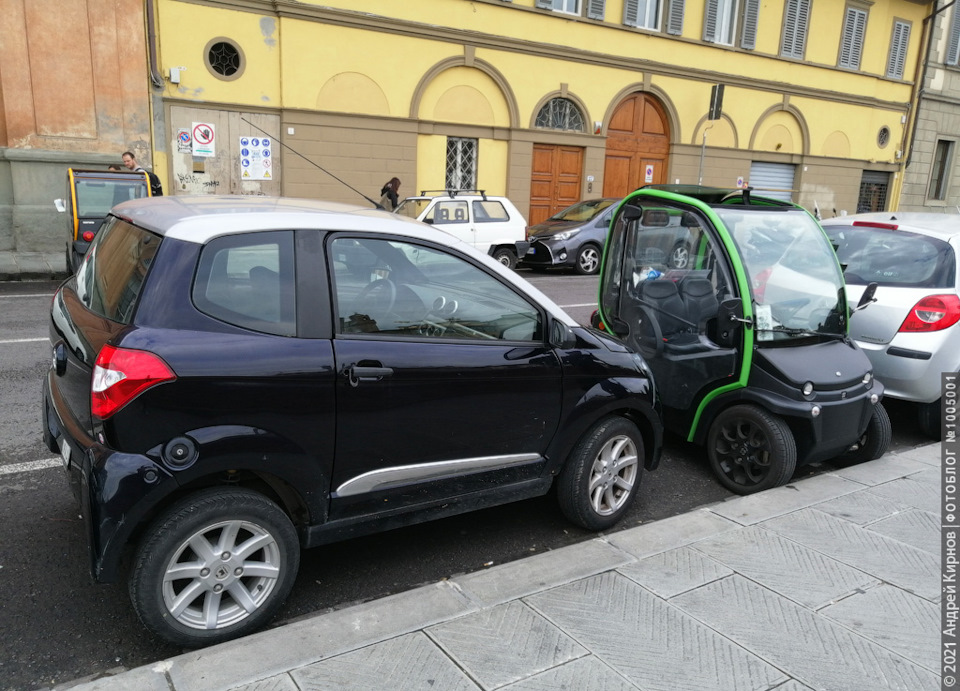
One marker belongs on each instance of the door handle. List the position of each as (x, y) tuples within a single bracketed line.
[(367, 373)]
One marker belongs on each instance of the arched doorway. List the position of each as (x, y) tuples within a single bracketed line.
[(638, 145)]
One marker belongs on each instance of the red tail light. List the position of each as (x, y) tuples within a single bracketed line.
[(933, 313), (120, 375), (88, 236), (760, 283)]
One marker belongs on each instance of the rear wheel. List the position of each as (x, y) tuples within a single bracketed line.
[(928, 415), (588, 260), (875, 439), (601, 477), (751, 449), (506, 257), (215, 566)]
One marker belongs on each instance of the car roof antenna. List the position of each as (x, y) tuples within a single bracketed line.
[(317, 165)]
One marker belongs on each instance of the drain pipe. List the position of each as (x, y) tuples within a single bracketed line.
[(155, 77)]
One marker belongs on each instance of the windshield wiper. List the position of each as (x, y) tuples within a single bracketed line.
[(790, 331)]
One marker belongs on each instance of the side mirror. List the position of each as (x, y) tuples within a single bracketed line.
[(730, 317), (61, 205), (868, 297), (561, 336), (631, 213)]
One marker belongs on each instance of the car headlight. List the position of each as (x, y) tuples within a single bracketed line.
[(808, 388), (566, 235), (867, 378)]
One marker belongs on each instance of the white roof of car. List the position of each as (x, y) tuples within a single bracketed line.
[(943, 226)]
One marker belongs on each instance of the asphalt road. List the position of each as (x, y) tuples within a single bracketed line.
[(56, 625)]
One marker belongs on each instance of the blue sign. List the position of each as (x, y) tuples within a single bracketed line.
[(255, 142), (266, 153), (244, 141), (265, 142), (244, 152), (245, 162)]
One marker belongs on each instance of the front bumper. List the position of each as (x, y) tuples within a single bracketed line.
[(542, 254), (116, 491)]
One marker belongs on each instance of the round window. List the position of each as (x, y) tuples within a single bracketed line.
[(883, 136), (224, 58)]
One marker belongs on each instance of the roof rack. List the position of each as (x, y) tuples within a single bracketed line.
[(454, 193)]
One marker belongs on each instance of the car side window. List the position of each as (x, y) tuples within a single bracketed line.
[(249, 281), (449, 212), (402, 289), (489, 211)]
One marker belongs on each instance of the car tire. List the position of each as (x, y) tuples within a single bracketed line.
[(601, 476), (751, 449), (506, 257), (875, 439), (928, 417), (679, 256), (588, 259), (243, 589)]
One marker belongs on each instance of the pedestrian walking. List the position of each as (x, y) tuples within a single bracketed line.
[(130, 161), (388, 194)]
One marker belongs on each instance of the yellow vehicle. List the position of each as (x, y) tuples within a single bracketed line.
[(90, 196)]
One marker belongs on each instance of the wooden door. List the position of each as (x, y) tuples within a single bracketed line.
[(555, 180), (638, 146)]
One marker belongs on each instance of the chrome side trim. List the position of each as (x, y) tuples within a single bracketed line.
[(386, 478)]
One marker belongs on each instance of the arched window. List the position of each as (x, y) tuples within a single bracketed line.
[(560, 114)]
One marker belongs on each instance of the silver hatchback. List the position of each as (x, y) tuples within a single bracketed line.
[(911, 332)]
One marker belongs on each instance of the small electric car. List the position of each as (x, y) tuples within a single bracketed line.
[(749, 341)]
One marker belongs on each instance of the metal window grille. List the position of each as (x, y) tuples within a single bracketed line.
[(873, 191), (461, 163), (560, 114), (224, 59)]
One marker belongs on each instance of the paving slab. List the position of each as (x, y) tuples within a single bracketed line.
[(861, 507), (532, 574), (881, 470), (755, 508), (916, 528), (916, 493), (670, 533), (282, 682), (886, 559), (577, 675), (898, 620), (810, 648), (648, 640), (930, 454), (504, 644), (398, 664), (804, 575), (675, 571)]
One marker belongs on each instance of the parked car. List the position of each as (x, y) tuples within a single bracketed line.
[(572, 238), (910, 333), (491, 224), (90, 196), (749, 340), (235, 378)]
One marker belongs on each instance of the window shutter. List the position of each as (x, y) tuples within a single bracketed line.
[(953, 47), (710, 20), (898, 50), (851, 44), (675, 18), (751, 14), (793, 32), (631, 11), (545, 4), (595, 9)]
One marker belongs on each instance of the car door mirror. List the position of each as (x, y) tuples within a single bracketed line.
[(867, 297), (561, 335), (729, 320), (631, 213)]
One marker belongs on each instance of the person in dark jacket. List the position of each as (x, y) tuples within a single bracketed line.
[(388, 194)]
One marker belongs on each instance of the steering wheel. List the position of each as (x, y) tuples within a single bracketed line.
[(377, 296)]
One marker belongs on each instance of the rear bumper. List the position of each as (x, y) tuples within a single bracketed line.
[(115, 491), (910, 365)]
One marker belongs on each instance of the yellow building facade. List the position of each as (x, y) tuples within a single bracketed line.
[(544, 101)]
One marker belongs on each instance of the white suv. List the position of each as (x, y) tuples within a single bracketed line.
[(491, 224)]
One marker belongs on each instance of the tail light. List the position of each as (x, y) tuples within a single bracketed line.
[(760, 283), (120, 375), (88, 236), (932, 313), (596, 322)]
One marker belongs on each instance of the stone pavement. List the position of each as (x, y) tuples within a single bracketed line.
[(830, 583), (32, 266)]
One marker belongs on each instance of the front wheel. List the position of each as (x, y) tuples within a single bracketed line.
[(217, 565), (588, 260), (874, 441), (601, 477), (751, 449), (506, 257)]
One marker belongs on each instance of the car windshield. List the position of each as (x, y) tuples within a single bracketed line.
[(584, 211), (95, 198), (794, 276), (887, 257)]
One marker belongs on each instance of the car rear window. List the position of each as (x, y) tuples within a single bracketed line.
[(112, 273), (893, 257), (489, 211), (249, 280)]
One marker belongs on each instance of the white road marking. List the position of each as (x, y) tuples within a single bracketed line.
[(30, 466), (584, 304), (23, 340)]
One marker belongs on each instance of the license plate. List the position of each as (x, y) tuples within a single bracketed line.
[(65, 452), (531, 251)]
